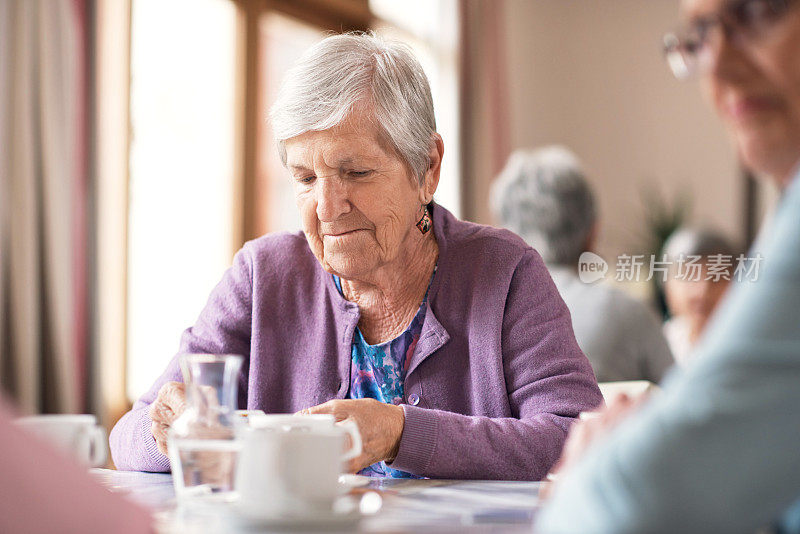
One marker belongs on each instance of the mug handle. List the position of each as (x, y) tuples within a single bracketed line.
[(351, 428), (98, 454)]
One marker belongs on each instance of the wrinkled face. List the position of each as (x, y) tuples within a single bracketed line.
[(358, 202), (695, 298), (755, 88)]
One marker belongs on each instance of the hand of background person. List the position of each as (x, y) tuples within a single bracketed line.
[(587, 430), (380, 425), (170, 403)]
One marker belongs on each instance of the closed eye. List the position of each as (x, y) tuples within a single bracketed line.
[(359, 174)]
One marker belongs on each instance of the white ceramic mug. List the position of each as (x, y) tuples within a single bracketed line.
[(77, 435), (290, 465)]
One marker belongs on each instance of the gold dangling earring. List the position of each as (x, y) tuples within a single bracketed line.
[(424, 224)]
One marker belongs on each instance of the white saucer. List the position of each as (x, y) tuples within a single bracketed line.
[(344, 514), (354, 481)]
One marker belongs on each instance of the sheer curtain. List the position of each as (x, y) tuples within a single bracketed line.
[(43, 201)]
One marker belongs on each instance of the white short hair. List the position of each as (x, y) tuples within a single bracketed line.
[(542, 195), (344, 72)]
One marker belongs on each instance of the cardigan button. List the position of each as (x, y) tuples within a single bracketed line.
[(413, 399)]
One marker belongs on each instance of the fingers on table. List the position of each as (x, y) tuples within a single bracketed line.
[(170, 403), (358, 463), (174, 396), (337, 408)]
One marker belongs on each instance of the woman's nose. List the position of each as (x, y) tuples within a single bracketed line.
[(725, 56), (332, 201)]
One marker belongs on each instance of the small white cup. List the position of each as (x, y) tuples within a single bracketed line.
[(77, 435), (291, 464)]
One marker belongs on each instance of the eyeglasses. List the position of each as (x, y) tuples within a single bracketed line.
[(743, 22)]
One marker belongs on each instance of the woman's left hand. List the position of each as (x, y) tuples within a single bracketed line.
[(380, 425)]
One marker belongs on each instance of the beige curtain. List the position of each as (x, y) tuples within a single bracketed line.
[(42, 173)]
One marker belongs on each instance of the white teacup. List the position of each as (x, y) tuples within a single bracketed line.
[(303, 421), (77, 435), (244, 416), (291, 464)]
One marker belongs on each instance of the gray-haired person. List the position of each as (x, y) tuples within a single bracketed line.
[(542, 195), (445, 341)]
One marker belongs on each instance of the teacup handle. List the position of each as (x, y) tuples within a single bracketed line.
[(351, 428), (97, 438)]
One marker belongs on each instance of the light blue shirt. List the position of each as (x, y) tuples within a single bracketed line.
[(719, 449)]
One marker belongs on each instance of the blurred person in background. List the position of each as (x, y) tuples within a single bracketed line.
[(717, 449), (445, 341), (42, 490), (701, 268), (542, 195)]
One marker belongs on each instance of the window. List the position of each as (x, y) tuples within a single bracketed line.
[(282, 40), (180, 226), (430, 28)]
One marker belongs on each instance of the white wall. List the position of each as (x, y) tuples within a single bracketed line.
[(590, 74)]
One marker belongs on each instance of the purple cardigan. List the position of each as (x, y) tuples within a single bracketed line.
[(493, 385)]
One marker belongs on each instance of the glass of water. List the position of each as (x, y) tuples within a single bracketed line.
[(203, 448)]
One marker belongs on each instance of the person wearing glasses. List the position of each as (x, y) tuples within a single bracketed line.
[(719, 449)]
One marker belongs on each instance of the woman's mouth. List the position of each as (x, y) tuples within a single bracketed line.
[(744, 108), (343, 234)]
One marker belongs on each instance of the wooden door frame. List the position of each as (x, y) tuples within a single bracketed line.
[(329, 15)]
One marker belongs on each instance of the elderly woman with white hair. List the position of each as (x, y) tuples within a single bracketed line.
[(543, 196), (445, 341)]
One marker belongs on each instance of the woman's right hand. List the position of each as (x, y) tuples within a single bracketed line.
[(170, 403)]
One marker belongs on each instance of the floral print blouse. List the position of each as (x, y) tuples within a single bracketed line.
[(378, 372)]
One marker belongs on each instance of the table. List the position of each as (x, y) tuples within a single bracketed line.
[(407, 505)]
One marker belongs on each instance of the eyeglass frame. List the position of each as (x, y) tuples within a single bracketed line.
[(674, 47)]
